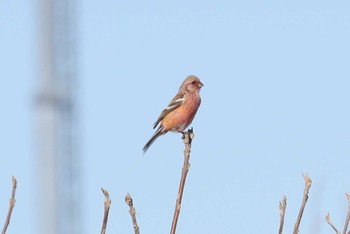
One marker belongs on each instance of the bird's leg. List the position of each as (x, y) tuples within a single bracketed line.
[(190, 130), (183, 134)]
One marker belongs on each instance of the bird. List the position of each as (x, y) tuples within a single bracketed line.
[(181, 110)]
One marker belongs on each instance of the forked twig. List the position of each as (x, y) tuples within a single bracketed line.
[(187, 139), (132, 211), (328, 219), (12, 204), (107, 205), (282, 208), (308, 183)]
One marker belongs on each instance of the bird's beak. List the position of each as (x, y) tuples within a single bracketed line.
[(200, 85)]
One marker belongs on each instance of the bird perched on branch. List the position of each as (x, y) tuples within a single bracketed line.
[(181, 110)]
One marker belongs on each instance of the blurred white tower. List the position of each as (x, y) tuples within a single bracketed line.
[(59, 182)]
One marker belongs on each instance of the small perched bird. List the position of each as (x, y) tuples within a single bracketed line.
[(181, 110)]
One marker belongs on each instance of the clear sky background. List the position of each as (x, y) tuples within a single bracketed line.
[(275, 104)]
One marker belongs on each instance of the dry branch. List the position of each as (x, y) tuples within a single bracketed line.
[(132, 211), (187, 139), (347, 216), (282, 207), (328, 219), (308, 183), (107, 205), (12, 204)]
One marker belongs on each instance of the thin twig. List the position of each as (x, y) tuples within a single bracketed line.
[(132, 211), (187, 139), (328, 219), (107, 205), (12, 204), (282, 207), (347, 216), (308, 183)]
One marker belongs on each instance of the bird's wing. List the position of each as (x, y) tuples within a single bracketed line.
[(174, 104)]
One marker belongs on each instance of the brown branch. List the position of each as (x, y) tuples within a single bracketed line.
[(187, 139), (328, 219), (107, 205), (132, 211), (347, 216), (12, 204), (282, 207), (308, 183)]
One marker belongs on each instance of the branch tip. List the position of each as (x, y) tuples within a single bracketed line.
[(107, 205), (347, 196), (329, 221), (12, 204), (307, 179), (282, 208), (308, 183), (128, 200), (132, 211)]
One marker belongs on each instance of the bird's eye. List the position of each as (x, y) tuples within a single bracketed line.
[(194, 82)]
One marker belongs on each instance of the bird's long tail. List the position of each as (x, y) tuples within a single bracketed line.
[(158, 133)]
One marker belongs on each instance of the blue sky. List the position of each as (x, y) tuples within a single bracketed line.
[(275, 104)]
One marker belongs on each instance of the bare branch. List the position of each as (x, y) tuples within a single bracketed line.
[(107, 205), (308, 183), (347, 216), (132, 211), (328, 219), (282, 207), (12, 204), (187, 139)]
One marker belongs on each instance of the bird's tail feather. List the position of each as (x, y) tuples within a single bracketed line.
[(158, 133)]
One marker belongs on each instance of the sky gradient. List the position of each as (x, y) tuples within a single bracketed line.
[(275, 104)]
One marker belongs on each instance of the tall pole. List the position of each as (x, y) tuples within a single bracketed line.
[(58, 169)]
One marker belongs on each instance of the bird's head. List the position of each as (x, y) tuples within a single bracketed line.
[(192, 84)]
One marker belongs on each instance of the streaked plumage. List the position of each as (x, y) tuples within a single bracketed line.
[(181, 110)]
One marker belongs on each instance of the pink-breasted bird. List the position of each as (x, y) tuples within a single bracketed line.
[(181, 110)]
